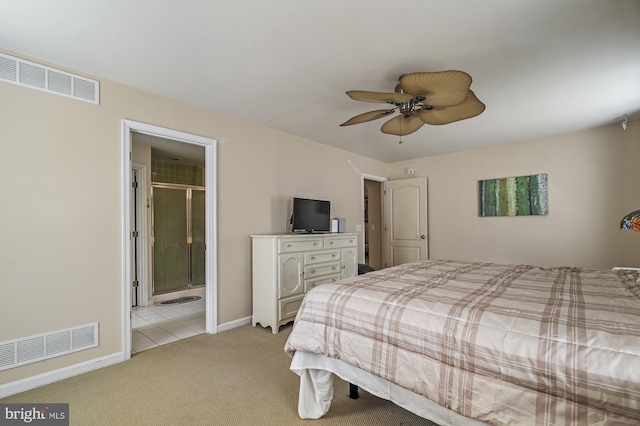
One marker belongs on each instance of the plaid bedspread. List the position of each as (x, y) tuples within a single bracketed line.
[(505, 344)]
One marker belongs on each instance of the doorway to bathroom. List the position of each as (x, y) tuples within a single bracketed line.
[(202, 244)]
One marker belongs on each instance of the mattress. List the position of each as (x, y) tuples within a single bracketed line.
[(502, 344)]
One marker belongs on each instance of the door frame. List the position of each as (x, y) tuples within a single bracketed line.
[(211, 287), (383, 214), (141, 209), (188, 199)]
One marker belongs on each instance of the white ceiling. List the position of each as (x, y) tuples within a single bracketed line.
[(542, 67)]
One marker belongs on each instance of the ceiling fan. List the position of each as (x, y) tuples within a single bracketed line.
[(421, 98)]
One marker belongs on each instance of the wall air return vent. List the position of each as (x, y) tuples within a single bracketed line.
[(29, 74), (14, 353)]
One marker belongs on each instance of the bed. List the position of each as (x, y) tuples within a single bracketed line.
[(467, 343)]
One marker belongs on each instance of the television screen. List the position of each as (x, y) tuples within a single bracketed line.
[(311, 215)]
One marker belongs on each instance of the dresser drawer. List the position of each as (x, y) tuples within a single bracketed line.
[(288, 308), (312, 283), (311, 271), (291, 245), (312, 258), (339, 242)]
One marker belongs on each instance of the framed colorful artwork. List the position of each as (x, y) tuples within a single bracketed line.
[(513, 196)]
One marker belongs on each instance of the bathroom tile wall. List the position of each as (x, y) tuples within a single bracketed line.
[(167, 172)]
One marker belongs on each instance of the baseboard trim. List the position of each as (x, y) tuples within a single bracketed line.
[(234, 324), (60, 374)]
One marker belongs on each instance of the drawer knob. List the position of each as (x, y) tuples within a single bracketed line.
[(313, 284), (313, 271), (350, 241), (333, 268), (333, 255), (331, 242), (288, 245), (315, 244), (333, 280), (312, 258)]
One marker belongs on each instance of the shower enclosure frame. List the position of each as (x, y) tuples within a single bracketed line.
[(188, 189)]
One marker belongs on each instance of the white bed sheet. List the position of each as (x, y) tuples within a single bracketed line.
[(316, 390)]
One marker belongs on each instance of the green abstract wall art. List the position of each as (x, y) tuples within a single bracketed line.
[(514, 196)]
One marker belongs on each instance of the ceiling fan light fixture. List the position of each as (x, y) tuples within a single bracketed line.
[(406, 108), (422, 98)]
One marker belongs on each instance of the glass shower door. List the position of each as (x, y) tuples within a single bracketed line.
[(178, 237), (170, 246)]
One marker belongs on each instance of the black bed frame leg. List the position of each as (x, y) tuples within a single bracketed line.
[(353, 391)]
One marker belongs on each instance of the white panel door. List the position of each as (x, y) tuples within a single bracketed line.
[(406, 221)]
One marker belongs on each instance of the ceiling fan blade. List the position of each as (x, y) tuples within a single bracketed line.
[(368, 116), (402, 125), (441, 89), (445, 115), (392, 98)]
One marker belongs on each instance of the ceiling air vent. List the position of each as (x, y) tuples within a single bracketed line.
[(29, 74)]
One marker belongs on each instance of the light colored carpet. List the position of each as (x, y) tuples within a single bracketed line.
[(238, 377)]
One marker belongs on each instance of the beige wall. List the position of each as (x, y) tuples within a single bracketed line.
[(257, 179), (60, 179), (592, 181)]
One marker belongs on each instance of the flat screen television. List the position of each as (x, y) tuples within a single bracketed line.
[(311, 216)]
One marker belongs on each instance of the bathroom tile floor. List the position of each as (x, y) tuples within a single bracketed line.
[(156, 325)]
